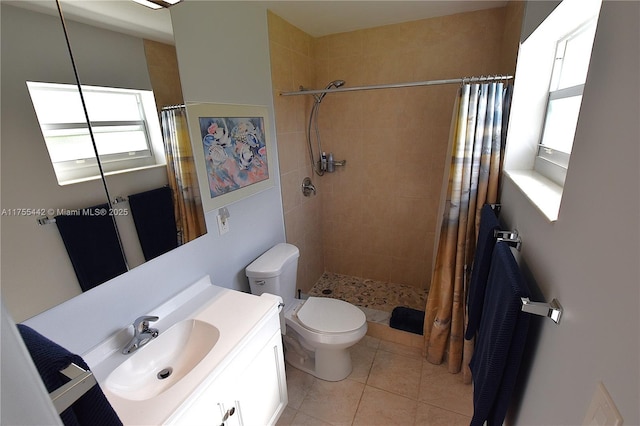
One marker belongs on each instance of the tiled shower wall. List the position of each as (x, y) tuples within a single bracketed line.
[(293, 65), (376, 217)]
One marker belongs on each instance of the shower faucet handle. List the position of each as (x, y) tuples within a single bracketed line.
[(308, 187)]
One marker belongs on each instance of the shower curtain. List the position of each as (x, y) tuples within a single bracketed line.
[(476, 143), (181, 172)]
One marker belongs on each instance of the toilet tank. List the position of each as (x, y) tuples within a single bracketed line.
[(275, 272)]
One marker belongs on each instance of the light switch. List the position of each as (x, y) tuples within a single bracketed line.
[(602, 411)]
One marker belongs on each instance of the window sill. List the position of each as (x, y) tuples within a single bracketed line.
[(115, 172), (542, 192)]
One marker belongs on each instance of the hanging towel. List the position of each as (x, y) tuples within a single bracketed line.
[(90, 409), (480, 272), (93, 246), (155, 221), (501, 339)]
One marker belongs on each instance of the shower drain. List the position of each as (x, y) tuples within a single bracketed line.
[(164, 373)]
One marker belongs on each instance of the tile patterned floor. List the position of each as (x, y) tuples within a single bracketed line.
[(368, 293), (391, 384)]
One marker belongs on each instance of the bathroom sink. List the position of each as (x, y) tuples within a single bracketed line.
[(161, 363)]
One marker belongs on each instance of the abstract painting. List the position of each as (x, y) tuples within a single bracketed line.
[(233, 147)]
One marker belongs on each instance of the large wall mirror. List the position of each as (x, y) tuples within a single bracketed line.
[(37, 272)]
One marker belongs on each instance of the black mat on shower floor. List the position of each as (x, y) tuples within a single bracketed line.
[(407, 319)]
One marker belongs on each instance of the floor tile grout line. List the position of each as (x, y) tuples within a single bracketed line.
[(439, 407), (417, 400), (387, 390), (355, 414), (432, 404)]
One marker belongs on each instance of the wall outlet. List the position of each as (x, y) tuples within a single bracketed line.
[(602, 411), (223, 224)]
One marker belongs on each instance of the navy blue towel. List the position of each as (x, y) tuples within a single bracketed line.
[(92, 244), (480, 272), (155, 221), (501, 339), (92, 408), (407, 319)]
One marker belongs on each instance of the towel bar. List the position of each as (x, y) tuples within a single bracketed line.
[(496, 208), (46, 220), (552, 310), (510, 237), (81, 381)]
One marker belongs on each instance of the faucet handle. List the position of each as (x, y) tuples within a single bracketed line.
[(142, 323)]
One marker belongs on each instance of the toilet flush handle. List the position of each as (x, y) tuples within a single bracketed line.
[(261, 282)]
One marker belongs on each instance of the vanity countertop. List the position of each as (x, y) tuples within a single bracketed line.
[(235, 314)]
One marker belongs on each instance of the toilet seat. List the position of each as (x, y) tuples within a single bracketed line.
[(326, 315)]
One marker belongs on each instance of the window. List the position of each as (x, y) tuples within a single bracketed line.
[(124, 124), (569, 74)]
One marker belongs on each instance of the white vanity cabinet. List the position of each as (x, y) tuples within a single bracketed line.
[(223, 349), (248, 390)]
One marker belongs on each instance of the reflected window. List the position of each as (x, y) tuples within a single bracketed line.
[(123, 121)]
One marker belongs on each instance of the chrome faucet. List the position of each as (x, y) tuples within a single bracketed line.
[(142, 334)]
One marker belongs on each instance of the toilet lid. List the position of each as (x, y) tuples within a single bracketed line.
[(328, 315)]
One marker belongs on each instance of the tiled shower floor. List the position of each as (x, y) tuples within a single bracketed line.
[(376, 298)]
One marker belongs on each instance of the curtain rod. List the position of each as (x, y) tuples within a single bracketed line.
[(169, 107), (399, 85)]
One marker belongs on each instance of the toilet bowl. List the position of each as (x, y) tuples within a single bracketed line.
[(318, 332)]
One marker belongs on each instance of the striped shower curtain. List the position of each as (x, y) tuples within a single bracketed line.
[(181, 171), (476, 144)]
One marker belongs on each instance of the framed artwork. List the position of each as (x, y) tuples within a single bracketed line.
[(232, 151)]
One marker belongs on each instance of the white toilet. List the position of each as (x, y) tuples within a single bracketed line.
[(319, 331)]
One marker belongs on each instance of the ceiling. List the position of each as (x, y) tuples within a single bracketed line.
[(316, 18), (320, 18)]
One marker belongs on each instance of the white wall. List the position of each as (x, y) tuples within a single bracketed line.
[(207, 38), (589, 259)]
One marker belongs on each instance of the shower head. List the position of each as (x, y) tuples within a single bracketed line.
[(334, 83)]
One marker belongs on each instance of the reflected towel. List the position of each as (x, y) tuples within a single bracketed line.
[(92, 408), (480, 272), (501, 339), (155, 221), (92, 245)]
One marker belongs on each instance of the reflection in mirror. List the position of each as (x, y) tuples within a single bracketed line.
[(36, 271)]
